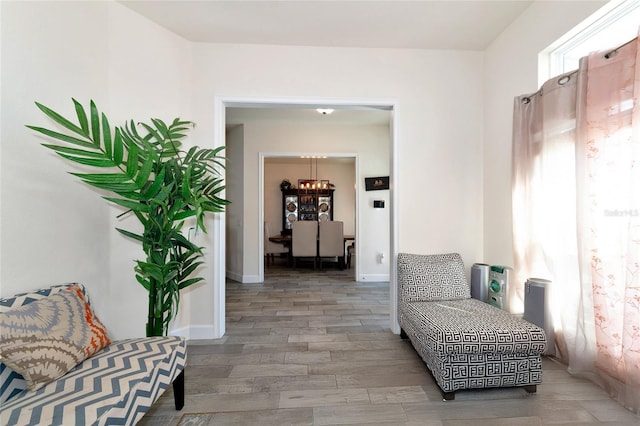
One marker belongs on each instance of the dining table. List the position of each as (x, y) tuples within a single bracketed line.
[(285, 239)]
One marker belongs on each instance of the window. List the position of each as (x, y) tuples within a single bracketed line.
[(553, 177), (612, 25)]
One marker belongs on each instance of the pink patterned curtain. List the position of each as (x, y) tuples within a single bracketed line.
[(576, 208), (608, 196)]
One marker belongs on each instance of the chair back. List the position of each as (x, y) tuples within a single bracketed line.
[(426, 278), (304, 236), (331, 239), (269, 246)]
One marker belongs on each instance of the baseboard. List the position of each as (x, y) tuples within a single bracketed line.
[(244, 279), (374, 278), (195, 332), (250, 279), (234, 276)]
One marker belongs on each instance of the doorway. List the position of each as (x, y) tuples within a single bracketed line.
[(218, 227), (338, 170)]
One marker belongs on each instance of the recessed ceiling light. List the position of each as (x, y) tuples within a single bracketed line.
[(324, 111)]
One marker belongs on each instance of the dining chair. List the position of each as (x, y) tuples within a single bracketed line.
[(304, 240), (351, 252), (331, 242), (271, 248)]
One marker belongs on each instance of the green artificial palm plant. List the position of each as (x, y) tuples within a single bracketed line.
[(148, 174)]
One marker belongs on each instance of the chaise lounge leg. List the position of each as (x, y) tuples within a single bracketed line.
[(178, 391), (448, 396), (403, 335), (530, 388)]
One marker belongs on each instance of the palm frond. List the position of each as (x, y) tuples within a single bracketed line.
[(61, 120), (148, 174)]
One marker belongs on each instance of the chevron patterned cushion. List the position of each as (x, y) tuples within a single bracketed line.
[(45, 339), (116, 386)]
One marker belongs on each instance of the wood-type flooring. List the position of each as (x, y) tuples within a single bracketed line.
[(314, 348)]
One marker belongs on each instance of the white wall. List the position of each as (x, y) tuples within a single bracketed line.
[(234, 186), (440, 121), (138, 70), (511, 69), (438, 95), (53, 228), (149, 77)]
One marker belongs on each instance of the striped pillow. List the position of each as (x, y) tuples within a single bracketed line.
[(46, 338)]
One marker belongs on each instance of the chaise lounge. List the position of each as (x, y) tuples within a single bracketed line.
[(465, 343)]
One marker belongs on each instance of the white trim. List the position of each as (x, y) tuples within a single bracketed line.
[(251, 279), (195, 332), (395, 226), (233, 276), (218, 261), (218, 244), (261, 257), (292, 102), (244, 279), (374, 278), (551, 60), (357, 230)]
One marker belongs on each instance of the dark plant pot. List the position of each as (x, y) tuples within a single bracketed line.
[(285, 185)]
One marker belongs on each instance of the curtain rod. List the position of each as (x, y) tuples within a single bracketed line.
[(612, 53), (563, 79)]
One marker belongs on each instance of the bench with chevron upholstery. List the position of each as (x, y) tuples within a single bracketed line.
[(59, 367)]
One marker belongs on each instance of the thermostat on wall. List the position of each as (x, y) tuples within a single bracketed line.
[(378, 204)]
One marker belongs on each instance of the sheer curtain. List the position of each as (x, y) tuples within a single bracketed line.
[(576, 209)]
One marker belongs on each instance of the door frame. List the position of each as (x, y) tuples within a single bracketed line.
[(217, 256), (328, 155)]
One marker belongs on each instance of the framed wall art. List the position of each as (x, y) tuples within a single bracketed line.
[(376, 183)]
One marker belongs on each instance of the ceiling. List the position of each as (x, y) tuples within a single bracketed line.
[(416, 24)]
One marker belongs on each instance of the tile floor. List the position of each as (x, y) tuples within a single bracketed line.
[(314, 348)]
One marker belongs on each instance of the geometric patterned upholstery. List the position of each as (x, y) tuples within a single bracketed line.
[(471, 344), (21, 299), (117, 385), (432, 277), (11, 383), (471, 326), (464, 342)]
